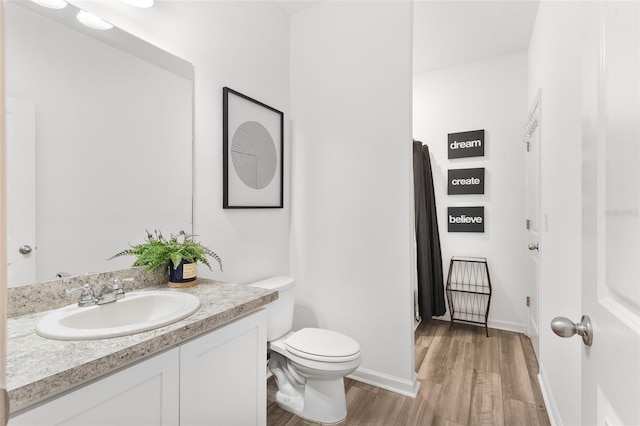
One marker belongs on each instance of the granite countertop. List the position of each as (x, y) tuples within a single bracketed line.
[(39, 368)]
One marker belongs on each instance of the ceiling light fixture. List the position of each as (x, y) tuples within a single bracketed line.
[(93, 21), (51, 4), (139, 3)]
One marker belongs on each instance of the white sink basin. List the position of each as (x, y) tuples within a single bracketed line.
[(139, 311)]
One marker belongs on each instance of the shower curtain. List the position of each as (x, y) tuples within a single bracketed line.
[(430, 278)]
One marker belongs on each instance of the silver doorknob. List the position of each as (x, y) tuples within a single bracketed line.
[(533, 246), (564, 327), (25, 249)]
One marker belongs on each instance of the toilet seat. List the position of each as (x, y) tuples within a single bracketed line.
[(322, 345)]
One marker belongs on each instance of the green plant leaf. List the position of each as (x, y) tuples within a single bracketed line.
[(158, 251)]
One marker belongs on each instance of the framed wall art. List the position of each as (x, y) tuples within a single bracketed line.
[(466, 219), (253, 144), (466, 144), (465, 181)]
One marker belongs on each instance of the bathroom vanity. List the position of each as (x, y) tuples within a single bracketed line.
[(208, 368)]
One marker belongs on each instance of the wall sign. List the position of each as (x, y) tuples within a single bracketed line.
[(466, 181), (465, 219), (466, 144)]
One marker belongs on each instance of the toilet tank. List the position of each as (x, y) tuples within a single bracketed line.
[(280, 311)]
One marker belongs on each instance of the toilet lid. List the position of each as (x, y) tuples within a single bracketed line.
[(320, 344)]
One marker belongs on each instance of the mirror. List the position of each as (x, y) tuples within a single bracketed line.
[(99, 143)]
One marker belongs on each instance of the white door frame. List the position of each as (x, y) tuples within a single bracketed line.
[(4, 401), (533, 140)]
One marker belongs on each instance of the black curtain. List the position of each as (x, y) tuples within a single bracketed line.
[(430, 277)]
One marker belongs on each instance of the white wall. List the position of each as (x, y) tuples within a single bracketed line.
[(490, 95), (555, 68), (242, 45), (352, 193)]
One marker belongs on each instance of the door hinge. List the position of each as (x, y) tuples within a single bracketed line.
[(528, 224), (528, 301)]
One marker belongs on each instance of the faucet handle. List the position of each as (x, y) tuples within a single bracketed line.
[(87, 296), (117, 286), (118, 283), (86, 290)]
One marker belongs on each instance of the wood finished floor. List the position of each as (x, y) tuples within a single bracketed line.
[(466, 379)]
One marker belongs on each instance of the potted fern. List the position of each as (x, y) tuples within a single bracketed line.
[(179, 254)]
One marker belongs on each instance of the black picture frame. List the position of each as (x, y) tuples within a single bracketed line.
[(253, 167)]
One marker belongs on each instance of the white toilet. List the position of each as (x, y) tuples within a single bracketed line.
[(309, 364)]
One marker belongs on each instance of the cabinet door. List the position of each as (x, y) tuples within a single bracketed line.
[(223, 375), (143, 394)]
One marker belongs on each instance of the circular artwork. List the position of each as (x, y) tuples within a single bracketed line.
[(253, 154)]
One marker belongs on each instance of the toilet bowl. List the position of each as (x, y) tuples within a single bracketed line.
[(309, 365)]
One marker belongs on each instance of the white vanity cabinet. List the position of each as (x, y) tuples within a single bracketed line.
[(146, 393), (218, 378), (223, 375)]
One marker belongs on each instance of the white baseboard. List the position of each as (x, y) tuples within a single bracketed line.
[(390, 383), (508, 326), (498, 324), (549, 401)]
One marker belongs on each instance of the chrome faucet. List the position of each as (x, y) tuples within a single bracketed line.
[(108, 293)]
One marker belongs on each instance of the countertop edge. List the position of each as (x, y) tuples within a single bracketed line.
[(24, 397)]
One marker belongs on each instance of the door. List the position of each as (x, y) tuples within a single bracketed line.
[(611, 212), (532, 141), (21, 190)]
